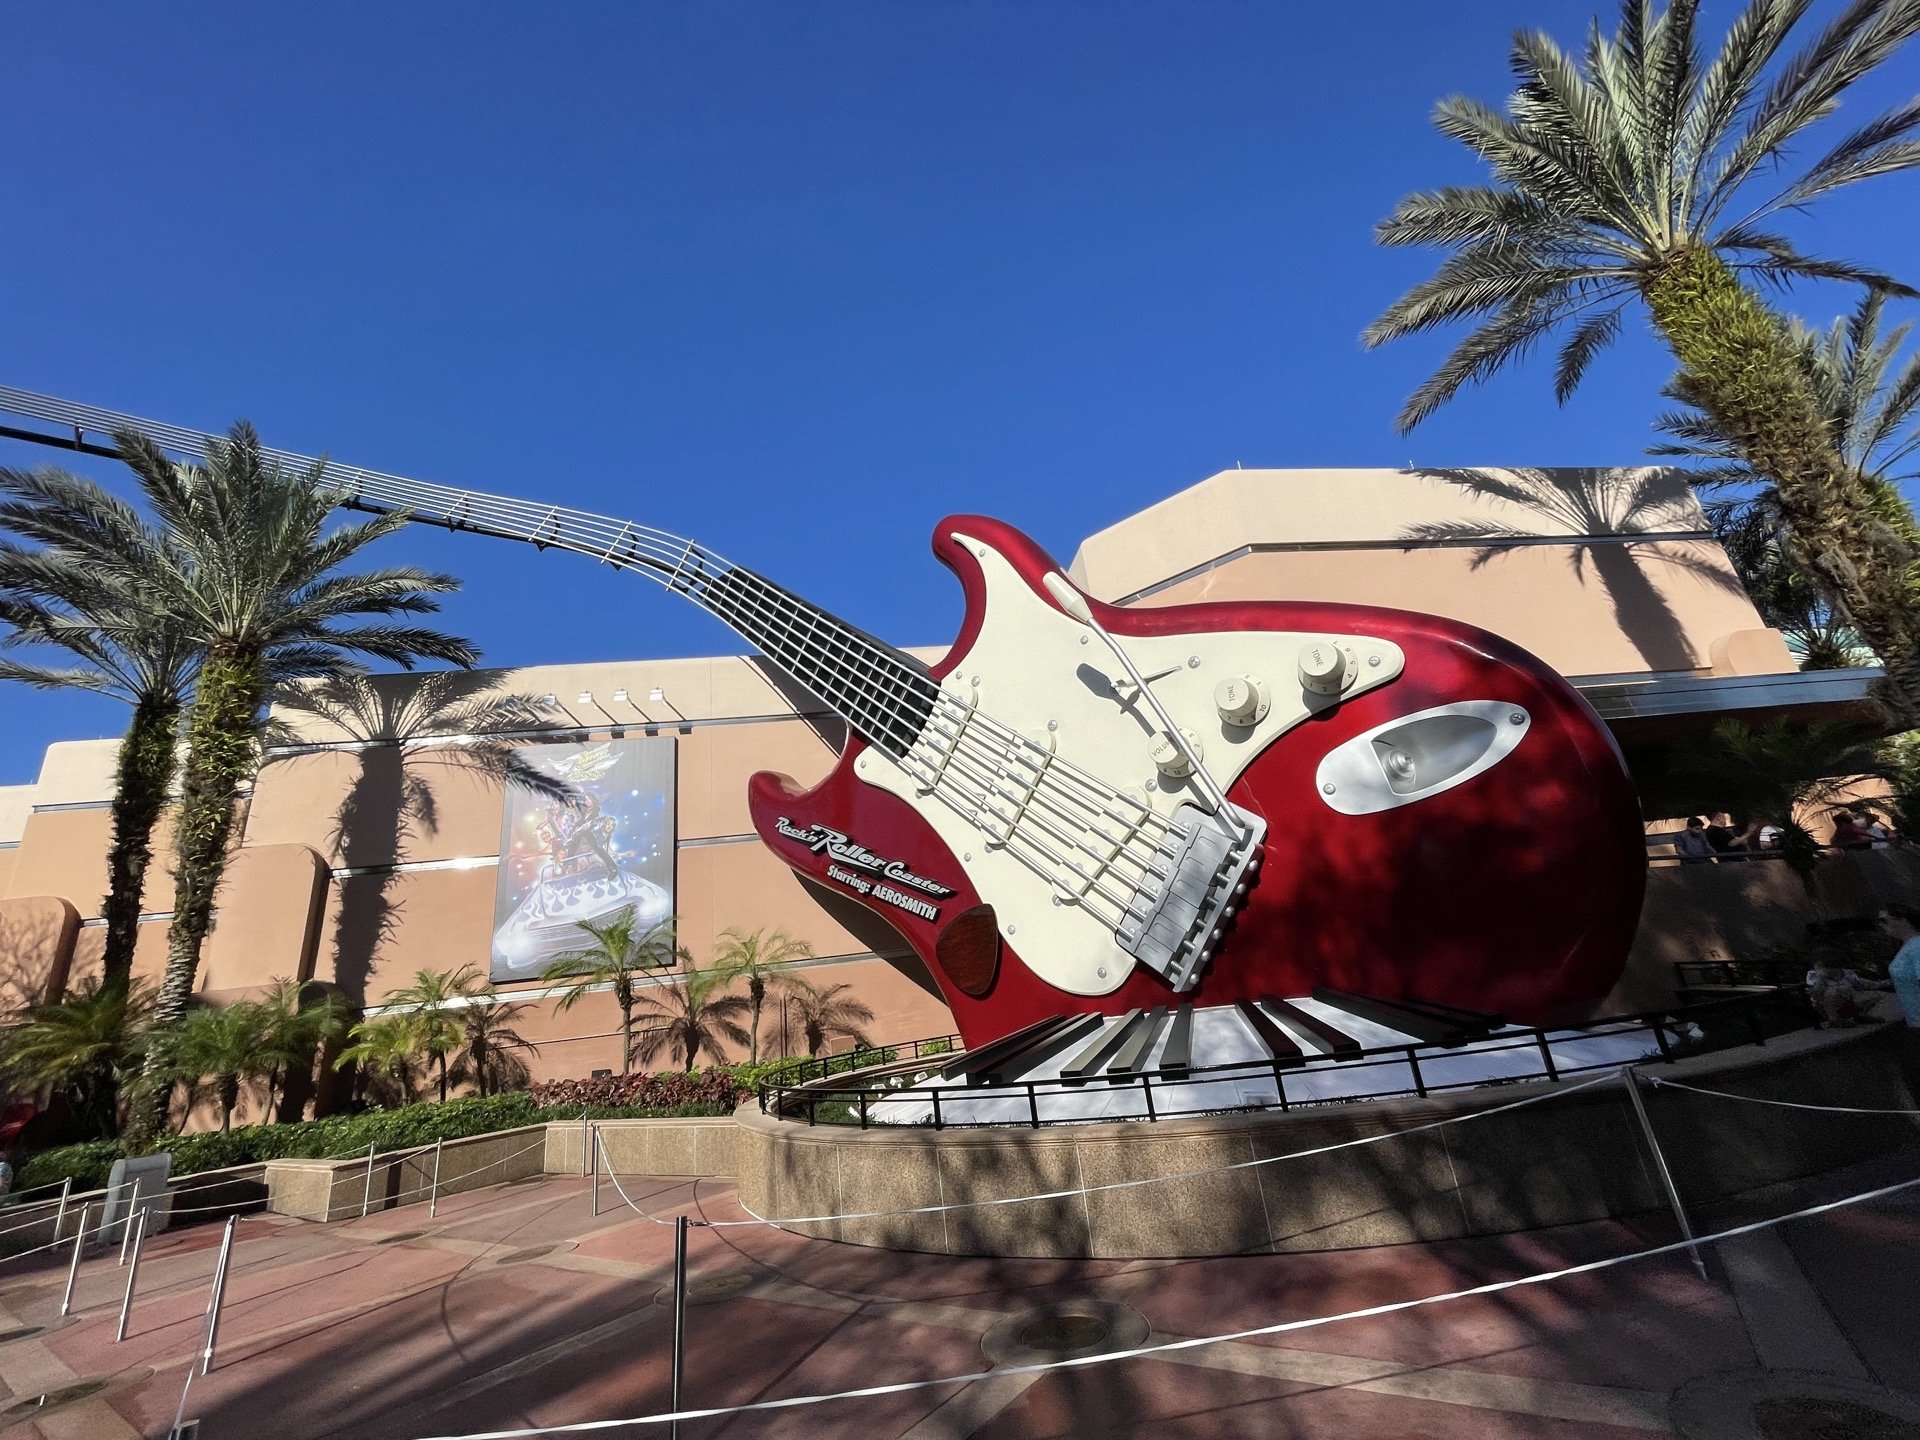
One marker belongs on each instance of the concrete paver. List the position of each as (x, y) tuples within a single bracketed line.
[(517, 1307)]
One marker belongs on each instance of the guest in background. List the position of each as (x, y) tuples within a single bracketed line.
[(1903, 923), (1878, 831), (1838, 994), (1720, 833), (1849, 833), (1691, 844)]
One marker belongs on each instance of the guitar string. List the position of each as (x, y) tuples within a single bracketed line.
[(988, 791), (657, 551)]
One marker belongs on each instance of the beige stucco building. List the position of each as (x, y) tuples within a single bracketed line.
[(1610, 576)]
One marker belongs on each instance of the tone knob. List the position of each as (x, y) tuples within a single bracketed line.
[(1241, 700), (1170, 760), (1323, 667)]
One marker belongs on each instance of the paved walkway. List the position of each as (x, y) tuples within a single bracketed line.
[(517, 1307)]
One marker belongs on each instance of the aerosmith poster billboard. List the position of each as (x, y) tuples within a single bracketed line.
[(561, 864)]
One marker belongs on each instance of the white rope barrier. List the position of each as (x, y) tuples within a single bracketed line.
[(1784, 1104), (1554, 1094), (1283, 1327)]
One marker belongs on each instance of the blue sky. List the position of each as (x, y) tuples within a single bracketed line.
[(794, 279)]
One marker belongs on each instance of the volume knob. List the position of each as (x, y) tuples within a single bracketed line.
[(1323, 667), (1170, 760)]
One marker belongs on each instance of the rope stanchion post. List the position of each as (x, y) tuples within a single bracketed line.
[(585, 1138), (139, 1228), (218, 1295), (126, 1223), (433, 1195), (1632, 1082), (73, 1266), (366, 1193), (60, 1218), (596, 1170), (679, 1312)]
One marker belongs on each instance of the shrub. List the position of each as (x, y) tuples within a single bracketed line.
[(666, 1090), (707, 1092)]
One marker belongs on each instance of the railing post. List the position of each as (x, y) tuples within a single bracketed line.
[(596, 1169), (1146, 1089), (863, 1109), (679, 1313), (1033, 1104), (1280, 1084), (433, 1195), (126, 1224), (60, 1220), (1413, 1063), (366, 1191), (810, 1099), (218, 1297), (1546, 1054), (133, 1274), (1632, 1081), (936, 1106), (1660, 1039), (73, 1266)]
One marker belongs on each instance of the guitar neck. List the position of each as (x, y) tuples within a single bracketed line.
[(882, 693)]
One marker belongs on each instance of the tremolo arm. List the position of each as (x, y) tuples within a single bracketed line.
[(1173, 931)]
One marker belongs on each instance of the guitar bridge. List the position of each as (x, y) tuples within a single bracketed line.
[(1172, 931)]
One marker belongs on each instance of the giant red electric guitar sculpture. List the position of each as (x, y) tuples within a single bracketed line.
[(1084, 808)]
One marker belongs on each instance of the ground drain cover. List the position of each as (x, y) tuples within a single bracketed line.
[(520, 1257), (1812, 1417), (1063, 1329), (53, 1399), (21, 1333), (396, 1239), (1792, 1405)]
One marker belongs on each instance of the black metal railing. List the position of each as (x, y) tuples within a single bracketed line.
[(1782, 972), (1406, 1069), (810, 1068)]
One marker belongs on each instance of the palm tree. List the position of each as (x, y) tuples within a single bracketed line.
[(1871, 404), (823, 1013), (297, 1021), (487, 1043), (759, 959), (434, 1003), (1778, 774), (260, 583), (383, 1050), (85, 588), (229, 1044), (1640, 173), (82, 1047), (689, 1014), (621, 952), (444, 723)]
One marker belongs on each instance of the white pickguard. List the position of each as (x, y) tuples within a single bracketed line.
[(1045, 675)]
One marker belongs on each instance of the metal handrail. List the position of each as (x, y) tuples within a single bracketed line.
[(847, 1060), (775, 1098)]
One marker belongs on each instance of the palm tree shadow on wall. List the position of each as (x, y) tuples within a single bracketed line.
[(1591, 508), (409, 728)]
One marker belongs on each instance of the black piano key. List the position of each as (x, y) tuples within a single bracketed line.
[(986, 1054), (1089, 1060), (1043, 1048), (1280, 1045), (1339, 1044), (1177, 1058), (1131, 1058), (1477, 1020), (1424, 1028)]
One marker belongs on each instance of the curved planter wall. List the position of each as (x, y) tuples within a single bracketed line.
[(1574, 1157)]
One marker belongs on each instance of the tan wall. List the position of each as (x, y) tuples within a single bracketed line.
[(1618, 607), (64, 852), (36, 949), (8, 855)]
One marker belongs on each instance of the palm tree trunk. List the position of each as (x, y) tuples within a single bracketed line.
[(626, 1036), (229, 1097), (139, 796), (1738, 365), (220, 756), (442, 1058), (756, 995)]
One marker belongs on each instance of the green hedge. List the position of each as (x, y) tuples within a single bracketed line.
[(337, 1135)]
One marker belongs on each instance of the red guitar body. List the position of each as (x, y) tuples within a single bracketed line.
[(1516, 891)]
